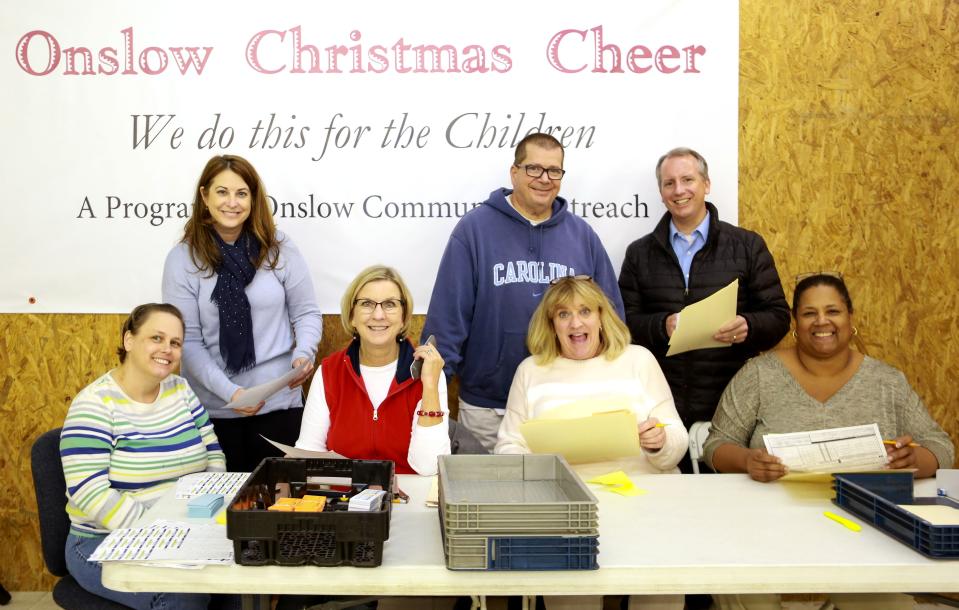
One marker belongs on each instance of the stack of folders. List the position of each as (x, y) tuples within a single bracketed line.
[(516, 512), (204, 506)]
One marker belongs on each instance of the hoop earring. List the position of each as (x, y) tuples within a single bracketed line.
[(795, 335), (855, 331)]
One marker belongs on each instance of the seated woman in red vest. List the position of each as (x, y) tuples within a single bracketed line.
[(364, 402)]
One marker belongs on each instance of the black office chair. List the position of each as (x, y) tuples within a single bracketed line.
[(51, 487)]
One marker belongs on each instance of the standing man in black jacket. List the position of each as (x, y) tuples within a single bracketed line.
[(690, 255)]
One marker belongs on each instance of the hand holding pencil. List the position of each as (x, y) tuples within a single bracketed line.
[(901, 452), (652, 434)]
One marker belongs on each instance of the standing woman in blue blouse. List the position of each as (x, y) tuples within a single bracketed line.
[(249, 307)]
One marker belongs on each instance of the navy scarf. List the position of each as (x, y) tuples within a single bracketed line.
[(229, 296)]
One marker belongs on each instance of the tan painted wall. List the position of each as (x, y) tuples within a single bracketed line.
[(849, 125)]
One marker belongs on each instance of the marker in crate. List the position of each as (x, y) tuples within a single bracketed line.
[(368, 500)]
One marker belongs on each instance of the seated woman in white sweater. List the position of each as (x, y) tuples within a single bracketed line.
[(581, 354)]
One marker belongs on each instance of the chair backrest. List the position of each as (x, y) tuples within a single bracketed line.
[(51, 490), (697, 438)]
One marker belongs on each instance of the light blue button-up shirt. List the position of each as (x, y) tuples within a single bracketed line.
[(686, 248)]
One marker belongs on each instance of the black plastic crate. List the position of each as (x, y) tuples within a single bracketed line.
[(262, 537), (875, 497)]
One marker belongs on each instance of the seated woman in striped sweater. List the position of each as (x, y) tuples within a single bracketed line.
[(126, 439)]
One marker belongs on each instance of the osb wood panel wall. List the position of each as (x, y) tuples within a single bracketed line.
[(848, 161)]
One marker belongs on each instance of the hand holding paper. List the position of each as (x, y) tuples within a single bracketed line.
[(761, 466), (251, 397), (734, 331), (849, 449), (305, 367), (245, 410), (702, 321)]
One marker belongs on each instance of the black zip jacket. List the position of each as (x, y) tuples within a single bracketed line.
[(651, 282)]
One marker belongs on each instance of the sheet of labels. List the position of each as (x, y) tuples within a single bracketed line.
[(200, 483), (168, 543)]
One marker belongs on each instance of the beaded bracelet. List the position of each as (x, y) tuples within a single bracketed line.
[(430, 413)]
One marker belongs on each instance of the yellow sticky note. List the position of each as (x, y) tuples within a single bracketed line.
[(613, 478), (617, 482), (627, 490)]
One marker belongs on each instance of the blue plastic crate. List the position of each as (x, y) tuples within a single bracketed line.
[(472, 552), (875, 497)]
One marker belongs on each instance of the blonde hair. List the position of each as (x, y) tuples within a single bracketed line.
[(374, 274), (541, 337)]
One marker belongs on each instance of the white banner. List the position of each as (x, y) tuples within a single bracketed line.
[(374, 125)]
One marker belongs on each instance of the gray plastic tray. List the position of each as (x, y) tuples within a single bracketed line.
[(518, 494)]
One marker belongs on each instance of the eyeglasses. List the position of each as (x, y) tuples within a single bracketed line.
[(368, 306), (564, 278), (808, 274), (536, 171)]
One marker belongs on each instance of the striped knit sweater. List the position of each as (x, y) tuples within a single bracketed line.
[(119, 456)]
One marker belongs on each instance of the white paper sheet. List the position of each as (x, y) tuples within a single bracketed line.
[(847, 449), (296, 452), (171, 543), (936, 514), (252, 396)]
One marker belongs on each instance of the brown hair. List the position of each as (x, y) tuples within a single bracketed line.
[(541, 337), (375, 274), (543, 140), (682, 152), (139, 315), (198, 232)]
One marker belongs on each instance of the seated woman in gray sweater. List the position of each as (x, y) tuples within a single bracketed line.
[(819, 383)]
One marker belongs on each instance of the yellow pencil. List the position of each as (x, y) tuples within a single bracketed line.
[(890, 442)]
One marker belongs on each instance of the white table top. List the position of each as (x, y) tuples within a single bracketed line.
[(686, 534)]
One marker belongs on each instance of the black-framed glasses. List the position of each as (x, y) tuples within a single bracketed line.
[(564, 278), (389, 306), (809, 274), (536, 171)]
